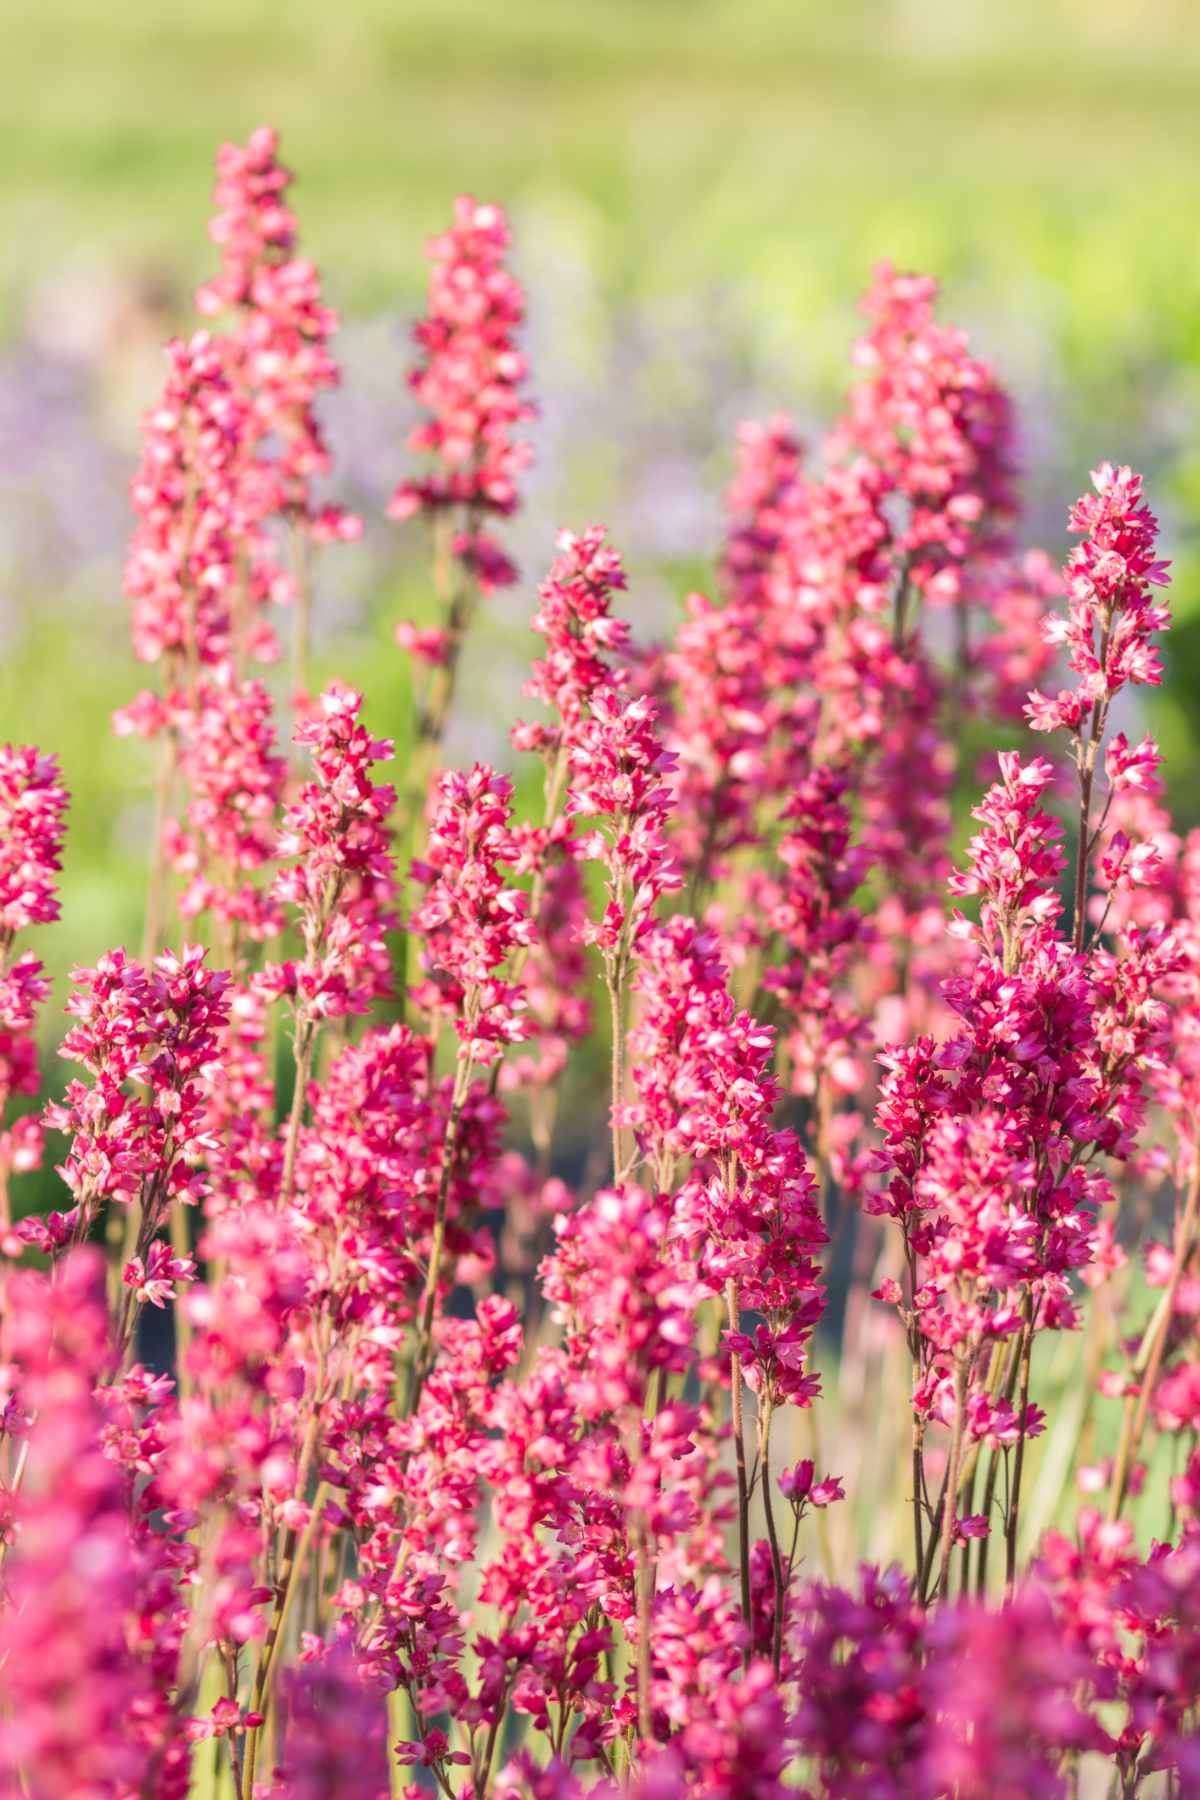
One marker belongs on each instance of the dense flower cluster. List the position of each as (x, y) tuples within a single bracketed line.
[(87, 1647), (993, 1137), (277, 353), (33, 804), (469, 383), (139, 1133), (235, 776), (188, 558), (470, 921), (1112, 613), (336, 839), (582, 636), (938, 424), (808, 1406)]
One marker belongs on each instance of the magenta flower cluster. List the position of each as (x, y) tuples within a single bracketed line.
[(652, 1274)]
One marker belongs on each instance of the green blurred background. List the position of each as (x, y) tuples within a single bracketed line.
[(698, 189)]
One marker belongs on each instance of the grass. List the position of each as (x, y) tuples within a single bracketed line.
[(755, 139)]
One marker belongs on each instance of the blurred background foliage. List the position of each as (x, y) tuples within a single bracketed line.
[(698, 190)]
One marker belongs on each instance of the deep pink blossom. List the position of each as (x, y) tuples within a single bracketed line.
[(87, 1715), (618, 771), (469, 384), (1112, 614), (277, 352), (148, 1040), (470, 920), (33, 803), (337, 838)]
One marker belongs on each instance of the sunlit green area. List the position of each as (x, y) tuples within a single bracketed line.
[(778, 142)]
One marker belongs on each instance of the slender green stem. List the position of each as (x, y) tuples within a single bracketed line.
[(949, 1511), (1012, 1525), (157, 881), (1151, 1350), (290, 1563), (423, 1352), (305, 1038), (739, 1450), (777, 1575), (645, 1595), (1087, 775), (617, 1014), (302, 629)]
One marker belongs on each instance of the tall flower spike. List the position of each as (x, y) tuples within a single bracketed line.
[(1111, 611), (337, 837), (468, 383), (619, 775), (341, 884), (198, 552), (937, 422), (582, 635), (470, 920), (1111, 617), (33, 804), (684, 1000), (157, 1029), (278, 351), (236, 777)]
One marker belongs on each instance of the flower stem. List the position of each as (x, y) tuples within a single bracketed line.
[(1012, 1524), (645, 1584), (1087, 775), (289, 1565), (739, 1450), (777, 1575), (617, 1013), (423, 1351), (949, 1510), (1151, 1351), (157, 881), (305, 1036)]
